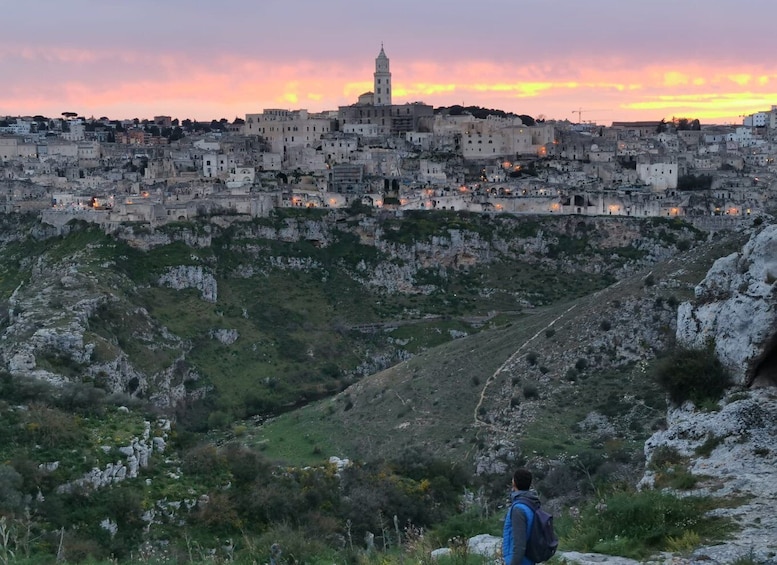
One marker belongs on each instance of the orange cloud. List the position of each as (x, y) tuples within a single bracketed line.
[(92, 82)]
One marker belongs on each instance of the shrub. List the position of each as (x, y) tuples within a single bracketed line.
[(664, 457), (688, 541), (51, 427), (709, 445), (581, 364), (532, 357), (530, 391), (550, 332), (692, 374), (681, 479), (571, 374), (606, 325), (204, 460), (637, 524), (463, 526), (650, 280)]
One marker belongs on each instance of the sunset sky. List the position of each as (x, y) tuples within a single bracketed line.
[(612, 59)]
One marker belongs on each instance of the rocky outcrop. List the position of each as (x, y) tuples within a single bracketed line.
[(731, 451), (736, 310), (191, 276), (225, 336), (742, 466), (136, 454)]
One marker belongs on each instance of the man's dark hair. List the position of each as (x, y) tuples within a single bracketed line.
[(522, 479)]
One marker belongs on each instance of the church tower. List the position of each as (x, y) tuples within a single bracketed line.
[(382, 80)]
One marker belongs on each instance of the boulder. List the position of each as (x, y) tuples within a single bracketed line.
[(190, 276), (485, 544), (736, 310)]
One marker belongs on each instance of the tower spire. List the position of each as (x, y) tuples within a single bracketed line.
[(382, 77)]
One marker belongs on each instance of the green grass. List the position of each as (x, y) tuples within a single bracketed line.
[(639, 524), (281, 439)]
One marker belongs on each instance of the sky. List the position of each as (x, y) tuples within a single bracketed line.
[(589, 60)]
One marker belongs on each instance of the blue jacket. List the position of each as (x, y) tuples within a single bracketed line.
[(517, 527)]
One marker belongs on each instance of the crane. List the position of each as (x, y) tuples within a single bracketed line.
[(580, 111)]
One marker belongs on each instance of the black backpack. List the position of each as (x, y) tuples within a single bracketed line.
[(542, 542)]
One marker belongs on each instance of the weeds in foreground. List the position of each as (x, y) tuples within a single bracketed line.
[(638, 524)]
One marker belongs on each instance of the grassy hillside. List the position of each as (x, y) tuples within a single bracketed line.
[(515, 390), (536, 347)]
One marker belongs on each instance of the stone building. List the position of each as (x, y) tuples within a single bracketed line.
[(376, 108)]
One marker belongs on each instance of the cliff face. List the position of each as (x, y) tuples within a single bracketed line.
[(736, 308), (90, 308), (731, 450)]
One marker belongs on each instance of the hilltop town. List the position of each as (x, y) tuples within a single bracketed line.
[(379, 154)]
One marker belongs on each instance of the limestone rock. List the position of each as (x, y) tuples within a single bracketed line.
[(736, 308), (742, 465), (485, 544), (225, 336), (594, 559), (191, 276)]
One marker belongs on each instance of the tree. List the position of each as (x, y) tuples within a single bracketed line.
[(176, 134)]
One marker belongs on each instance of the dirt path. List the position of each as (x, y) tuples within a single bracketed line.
[(521, 348)]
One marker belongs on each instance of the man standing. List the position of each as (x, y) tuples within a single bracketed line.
[(519, 519)]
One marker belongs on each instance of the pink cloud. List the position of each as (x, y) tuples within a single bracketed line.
[(127, 83)]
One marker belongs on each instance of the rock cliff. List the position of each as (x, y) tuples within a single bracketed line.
[(731, 450), (736, 309)]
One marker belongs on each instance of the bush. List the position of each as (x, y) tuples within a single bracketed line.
[(530, 391), (664, 457), (692, 374), (550, 332), (532, 357), (709, 445), (464, 526), (638, 524), (678, 479), (606, 325)]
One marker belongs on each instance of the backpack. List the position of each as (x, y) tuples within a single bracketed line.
[(542, 541)]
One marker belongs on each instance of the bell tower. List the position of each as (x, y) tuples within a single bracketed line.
[(382, 86)]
